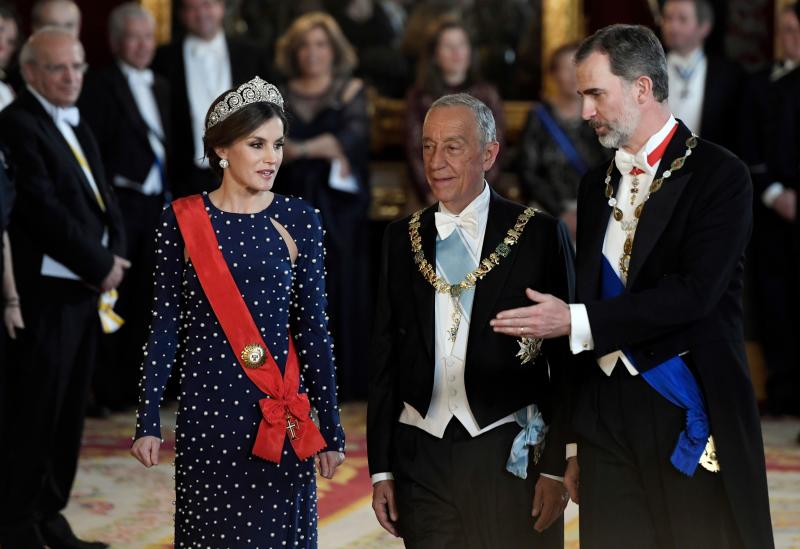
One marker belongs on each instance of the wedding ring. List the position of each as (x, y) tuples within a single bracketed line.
[(521, 330)]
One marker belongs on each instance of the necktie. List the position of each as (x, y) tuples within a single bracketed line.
[(447, 223)]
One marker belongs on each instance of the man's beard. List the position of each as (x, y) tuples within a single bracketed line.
[(620, 131)]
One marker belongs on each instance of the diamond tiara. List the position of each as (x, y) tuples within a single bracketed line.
[(254, 91)]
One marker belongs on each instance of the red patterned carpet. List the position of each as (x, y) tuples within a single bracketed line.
[(119, 501)]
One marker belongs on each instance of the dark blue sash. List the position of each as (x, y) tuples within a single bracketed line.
[(672, 380), (562, 139)]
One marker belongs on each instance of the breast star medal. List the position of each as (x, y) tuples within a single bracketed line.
[(254, 355), (529, 349)]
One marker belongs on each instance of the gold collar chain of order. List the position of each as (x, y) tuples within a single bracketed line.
[(629, 226), (486, 264)]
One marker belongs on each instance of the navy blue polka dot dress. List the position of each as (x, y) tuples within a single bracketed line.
[(225, 496)]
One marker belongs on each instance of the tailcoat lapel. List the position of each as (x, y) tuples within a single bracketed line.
[(659, 208), (50, 129), (487, 290), (423, 291), (593, 223)]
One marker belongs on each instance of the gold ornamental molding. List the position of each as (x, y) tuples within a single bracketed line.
[(562, 22), (162, 11)]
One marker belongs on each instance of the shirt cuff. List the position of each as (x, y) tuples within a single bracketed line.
[(771, 194), (572, 450), (559, 479), (580, 336), (378, 477)]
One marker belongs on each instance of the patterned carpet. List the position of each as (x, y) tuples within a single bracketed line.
[(118, 501)]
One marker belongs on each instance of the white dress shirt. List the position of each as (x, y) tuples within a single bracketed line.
[(140, 82), (65, 119), (6, 95), (449, 397), (580, 337), (208, 74), (687, 87)]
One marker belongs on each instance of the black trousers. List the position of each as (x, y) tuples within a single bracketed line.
[(454, 492), (117, 375), (631, 495), (52, 361)]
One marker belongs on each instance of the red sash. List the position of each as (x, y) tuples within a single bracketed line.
[(284, 410)]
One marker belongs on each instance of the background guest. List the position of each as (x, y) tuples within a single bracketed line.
[(9, 39), (127, 107), (447, 66), (68, 241), (199, 66), (557, 146), (368, 28), (775, 250), (704, 89), (325, 162), (63, 14)]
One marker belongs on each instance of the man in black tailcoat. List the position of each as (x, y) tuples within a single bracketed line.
[(68, 244), (448, 396), (669, 449)]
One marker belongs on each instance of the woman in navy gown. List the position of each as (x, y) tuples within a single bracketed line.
[(226, 496)]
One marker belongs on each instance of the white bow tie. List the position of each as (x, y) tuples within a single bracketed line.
[(70, 115), (447, 223), (143, 76), (626, 162)]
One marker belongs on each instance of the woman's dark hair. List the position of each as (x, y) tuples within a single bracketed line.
[(237, 126), (430, 77)]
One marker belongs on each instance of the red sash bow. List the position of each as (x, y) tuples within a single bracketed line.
[(284, 411)]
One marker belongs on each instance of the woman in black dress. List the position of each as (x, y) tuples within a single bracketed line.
[(326, 159)]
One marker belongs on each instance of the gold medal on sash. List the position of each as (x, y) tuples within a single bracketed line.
[(254, 355)]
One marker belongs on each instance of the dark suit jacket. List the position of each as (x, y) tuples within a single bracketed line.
[(402, 355), (721, 102), (56, 212), (108, 106), (246, 62), (684, 294), (783, 148)]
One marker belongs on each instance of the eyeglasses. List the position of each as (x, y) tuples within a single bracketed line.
[(62, 68)]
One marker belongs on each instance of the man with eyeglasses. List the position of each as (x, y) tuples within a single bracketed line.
[(67, 239)]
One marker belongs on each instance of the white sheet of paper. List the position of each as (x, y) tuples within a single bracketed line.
[(51, 267), (347, 184)]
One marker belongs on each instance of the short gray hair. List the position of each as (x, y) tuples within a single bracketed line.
[(487, 129), (123, 12), (633, 51), (27, 55)]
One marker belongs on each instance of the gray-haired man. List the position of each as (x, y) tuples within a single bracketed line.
[(127, 107), (448, 395)]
